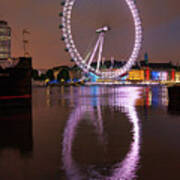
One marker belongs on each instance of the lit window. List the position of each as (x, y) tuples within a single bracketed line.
[(4, 49), (4, 56), (2, 30), (5, 38)]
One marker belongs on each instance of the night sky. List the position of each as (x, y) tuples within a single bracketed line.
[(161, 24)]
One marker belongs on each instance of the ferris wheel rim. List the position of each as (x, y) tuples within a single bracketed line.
[(79, 60)]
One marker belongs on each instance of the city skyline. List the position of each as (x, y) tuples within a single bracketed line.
[(161, 25)]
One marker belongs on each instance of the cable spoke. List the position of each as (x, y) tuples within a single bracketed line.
[(94, 52), (100, 52)]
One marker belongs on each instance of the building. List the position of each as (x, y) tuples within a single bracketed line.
[(159, 71), (177, 76), (15, 78), (136, 75), (5, 41)]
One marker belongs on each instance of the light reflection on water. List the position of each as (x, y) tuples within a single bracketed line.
[(125, 100), (149, 96), (99, 133)]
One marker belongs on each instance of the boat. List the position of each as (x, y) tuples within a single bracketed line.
[(15, 78), (174, 98)]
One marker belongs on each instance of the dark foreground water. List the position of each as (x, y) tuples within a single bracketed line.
[(91, 133)]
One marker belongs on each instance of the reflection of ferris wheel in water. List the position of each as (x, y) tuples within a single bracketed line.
[(86, 63), (125, 170)]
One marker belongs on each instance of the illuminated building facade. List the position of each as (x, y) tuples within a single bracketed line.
[(137, 75), (159, 75), (177, 76), (5, 41)]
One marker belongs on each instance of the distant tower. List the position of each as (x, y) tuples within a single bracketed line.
[(25, 42), (5, 41), (146, 58), (112, 61)]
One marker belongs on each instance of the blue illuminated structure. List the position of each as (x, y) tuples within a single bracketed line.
[(92, 77), (155, 75)]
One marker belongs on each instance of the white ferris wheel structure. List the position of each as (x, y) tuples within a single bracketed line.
[(85, 63)]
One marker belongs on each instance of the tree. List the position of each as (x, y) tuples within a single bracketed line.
[(35, 74), (42, 77), (50, 75), (63, 74)]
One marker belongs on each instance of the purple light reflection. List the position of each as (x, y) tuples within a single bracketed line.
[(123, 170)]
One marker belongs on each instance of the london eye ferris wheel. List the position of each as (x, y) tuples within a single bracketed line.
[(96, 52)]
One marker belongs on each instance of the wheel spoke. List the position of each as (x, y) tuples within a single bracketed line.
[(94, 51), (100, 52)]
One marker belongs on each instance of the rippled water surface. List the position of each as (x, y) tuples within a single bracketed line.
[(97, 133)]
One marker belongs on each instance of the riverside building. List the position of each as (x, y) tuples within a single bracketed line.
[(5, 41)]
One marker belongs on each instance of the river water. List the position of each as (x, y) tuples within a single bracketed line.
[(91, 133)]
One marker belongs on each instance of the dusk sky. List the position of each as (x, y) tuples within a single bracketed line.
[(161, 24)]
